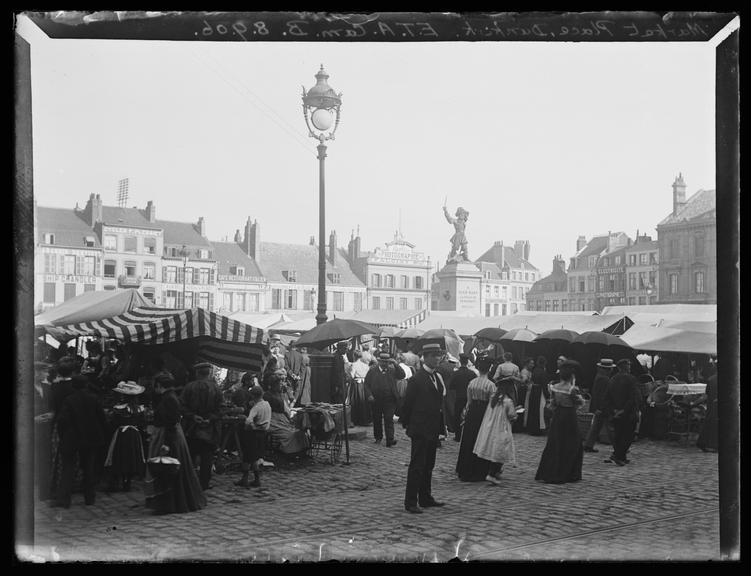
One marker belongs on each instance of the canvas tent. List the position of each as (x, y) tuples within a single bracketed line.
[(259, 320), (461, 323), (217, 339), (90, 306), (662, 339), (542, 321)]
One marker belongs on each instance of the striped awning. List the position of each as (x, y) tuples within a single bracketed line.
[(221, 340)]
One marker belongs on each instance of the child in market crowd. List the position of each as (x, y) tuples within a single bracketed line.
[(254, 437)]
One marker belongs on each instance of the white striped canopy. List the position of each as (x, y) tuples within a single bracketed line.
[(221, 340)]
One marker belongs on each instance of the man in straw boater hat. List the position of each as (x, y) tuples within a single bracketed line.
[(605, 369), (201, 402), (422, 417)]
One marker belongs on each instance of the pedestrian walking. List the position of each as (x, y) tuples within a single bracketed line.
[(360, 407), (495, 440), (172, 488), (83, 431), (459, 382), (421, 416), (605, 369), (254, 437), (380, 387), (537, 398), (201, 402), (562, 457), (621, 407), (470, 467)]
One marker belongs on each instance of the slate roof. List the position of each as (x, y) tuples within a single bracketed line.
[(510, 257), (67, 225), (594, 247), (230, 254), (181, 233), (303, 259), (556, 281), (701, 204), (116, 216)]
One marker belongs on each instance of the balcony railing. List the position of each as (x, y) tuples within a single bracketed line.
[(128, 281)]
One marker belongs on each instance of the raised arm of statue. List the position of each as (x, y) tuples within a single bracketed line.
[(449, 217)]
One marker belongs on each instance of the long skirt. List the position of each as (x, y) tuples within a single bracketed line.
[(285, 436), (125, 455), (470, 467), (360, 415), (495, 441), (563, 454), (708, 436), (173, 494), (534, 411)]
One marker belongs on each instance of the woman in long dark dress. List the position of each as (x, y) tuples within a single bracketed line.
[(707, 440), (537, 398), (180, 492), (469, 466), (563, 455)]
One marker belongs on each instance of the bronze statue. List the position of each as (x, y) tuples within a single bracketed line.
[(459, 252)]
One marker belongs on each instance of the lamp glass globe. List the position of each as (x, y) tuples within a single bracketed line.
[(322, 119)]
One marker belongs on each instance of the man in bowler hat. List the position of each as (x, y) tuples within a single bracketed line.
[(599, 390), (380, 385), (621, 406), (422, 417)]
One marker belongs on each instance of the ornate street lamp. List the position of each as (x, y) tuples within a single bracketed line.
[(321, 107)]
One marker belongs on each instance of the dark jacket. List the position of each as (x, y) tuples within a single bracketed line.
[(421, 413), (381, 386), (621, 395), (599, 391), (82, 422), (460, 381), (202, 398)]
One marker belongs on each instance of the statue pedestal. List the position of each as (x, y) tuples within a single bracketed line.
[(459, 287)]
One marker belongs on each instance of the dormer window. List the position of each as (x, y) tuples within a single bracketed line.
[(203, 253), (290, 275), (88, 241), (49, 238), (335, 277), (237, 270)]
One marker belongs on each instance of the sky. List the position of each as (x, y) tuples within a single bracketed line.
[(538, 141)]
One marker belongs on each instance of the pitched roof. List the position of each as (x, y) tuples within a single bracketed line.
[(594, 247), (117, 216), (556, 281), (511, 258), (303, 259), (701, 204), (181, 233), (67, 225), (230, 254)]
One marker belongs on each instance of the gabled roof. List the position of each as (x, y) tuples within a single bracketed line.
[(701, 204), (116, 216), (556, 281), (181, 233), (303, 259), (67, 225), (594, 247), (510, 257), (230, 254)]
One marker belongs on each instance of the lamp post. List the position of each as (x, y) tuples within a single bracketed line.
[(321, 109), (185, 254)]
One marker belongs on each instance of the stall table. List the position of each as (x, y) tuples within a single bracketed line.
[(325, 425), (687, 409)]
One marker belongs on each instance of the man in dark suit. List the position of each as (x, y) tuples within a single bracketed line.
[(380, 386), (422, 417), (621, 406), (459, 382), (83, 431)]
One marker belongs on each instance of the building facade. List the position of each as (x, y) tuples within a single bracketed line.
[(687, 240), (396, 275), (67, 257), (507, 275), (241, 287), (642, 271), (583, 267), (550, 294), (611, 278)]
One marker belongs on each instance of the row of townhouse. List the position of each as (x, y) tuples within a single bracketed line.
[(173, 264), (612, 269)]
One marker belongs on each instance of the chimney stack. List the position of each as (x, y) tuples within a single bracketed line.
[(201, 227), (150, 211), (679, 194), (255, 241), (332, 247), (312, 240), (238, 238), (93, 211), (581, 242)]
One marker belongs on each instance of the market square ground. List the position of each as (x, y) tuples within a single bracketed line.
[(662, 506)]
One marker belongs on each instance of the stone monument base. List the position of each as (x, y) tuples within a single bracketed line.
[(459, 287)]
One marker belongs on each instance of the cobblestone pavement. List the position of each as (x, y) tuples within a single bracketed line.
[(661, 506)]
